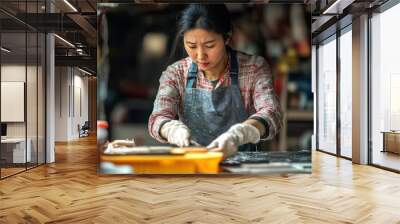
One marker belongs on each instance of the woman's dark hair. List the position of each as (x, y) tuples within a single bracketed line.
[(214, 18), (211, 17)]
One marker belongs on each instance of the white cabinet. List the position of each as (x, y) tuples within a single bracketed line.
[(16, 148)]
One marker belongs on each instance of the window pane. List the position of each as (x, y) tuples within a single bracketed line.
[(31, 97), (345, 94), (14, 152), (327, 97)]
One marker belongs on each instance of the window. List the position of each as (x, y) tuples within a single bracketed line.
[(346, 93), (327, 96), (385, 85), (22, 75)]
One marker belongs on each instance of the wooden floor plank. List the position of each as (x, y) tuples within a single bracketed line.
[(70, 191)]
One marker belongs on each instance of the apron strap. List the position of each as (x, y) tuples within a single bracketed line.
[(192, 76), (234, 67)]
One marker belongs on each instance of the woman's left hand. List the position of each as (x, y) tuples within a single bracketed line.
[(225, 143), (238, 134)]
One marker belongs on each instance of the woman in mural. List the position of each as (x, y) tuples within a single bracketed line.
[(217, 97)]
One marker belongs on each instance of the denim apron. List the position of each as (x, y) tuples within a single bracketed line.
[(207, 113)]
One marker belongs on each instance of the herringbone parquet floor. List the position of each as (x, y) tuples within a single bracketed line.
[(70, 191)]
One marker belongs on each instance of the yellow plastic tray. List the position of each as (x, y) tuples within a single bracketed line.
[(188, 163)]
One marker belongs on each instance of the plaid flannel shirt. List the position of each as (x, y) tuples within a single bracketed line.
[(256, 88)]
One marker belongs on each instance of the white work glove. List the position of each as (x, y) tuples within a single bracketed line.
[(237, 135), (176, 132)]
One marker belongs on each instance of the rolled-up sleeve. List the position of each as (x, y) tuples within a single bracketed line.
[(266, 102), (166, 104)]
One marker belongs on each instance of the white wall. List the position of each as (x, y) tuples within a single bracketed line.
[(61, 103), (82, 83), (13, 72), (71, 94)]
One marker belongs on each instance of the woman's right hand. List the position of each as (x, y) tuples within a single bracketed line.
[(176, 132)]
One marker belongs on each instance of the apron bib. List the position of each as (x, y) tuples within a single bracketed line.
[(208, 114)]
